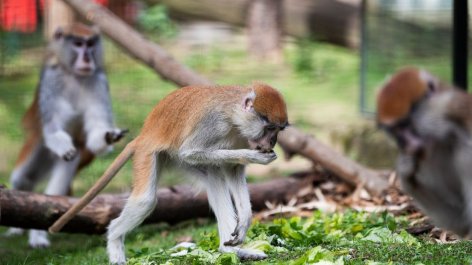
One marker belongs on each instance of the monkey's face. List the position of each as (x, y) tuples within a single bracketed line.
[(397, 103), (83, 59), (406, 136), (264, 116), (266, 142), (79, 49)]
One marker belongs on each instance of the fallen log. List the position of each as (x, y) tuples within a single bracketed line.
[(175, 204), (130, 39)]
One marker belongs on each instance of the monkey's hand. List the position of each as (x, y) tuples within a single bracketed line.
[(61, 144), (114, 136), (261, 158), (99, 140)]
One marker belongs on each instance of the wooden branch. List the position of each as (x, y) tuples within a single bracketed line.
[(294, 141), (57, 14), (136, 45), (39, 211)]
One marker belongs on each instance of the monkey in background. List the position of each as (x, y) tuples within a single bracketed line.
[(432, 125), (70, 120), (210, 132)]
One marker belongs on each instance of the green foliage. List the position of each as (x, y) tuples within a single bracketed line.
[(337, 239), (156, 20), (349, 238)]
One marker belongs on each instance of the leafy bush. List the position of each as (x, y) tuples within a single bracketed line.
[(156, 20)]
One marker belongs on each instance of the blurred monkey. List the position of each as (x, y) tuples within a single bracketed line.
[(70, 120), (210, 132), (432, 125)]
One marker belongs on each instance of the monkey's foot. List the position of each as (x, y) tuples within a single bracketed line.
[(38, 239), (244, 254), (115, 135), (14, 231)]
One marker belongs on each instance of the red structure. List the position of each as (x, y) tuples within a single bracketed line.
[(23, 15)]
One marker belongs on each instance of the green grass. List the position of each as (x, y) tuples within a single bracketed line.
[(349, 238)]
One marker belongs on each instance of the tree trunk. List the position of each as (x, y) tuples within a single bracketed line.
[(57, 14), (265, 29), (175, 204)]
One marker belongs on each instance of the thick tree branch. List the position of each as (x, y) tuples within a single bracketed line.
[(293, 142), (33, 210)]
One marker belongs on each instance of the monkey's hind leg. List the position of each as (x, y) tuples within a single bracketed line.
[(220, 201), (33, 164), (143, 199), (62, 175)]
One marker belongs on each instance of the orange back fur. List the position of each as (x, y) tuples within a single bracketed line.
[(32, 126), (396, 98), (178, 114), (269, 102), (173, 119)]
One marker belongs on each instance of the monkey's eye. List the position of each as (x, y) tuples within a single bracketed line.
[(264, 118), (90, 43), (78, 43), (271, 128)]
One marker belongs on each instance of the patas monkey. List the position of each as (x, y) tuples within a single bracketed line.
[(432, 125), (70, 119), (212, 133)]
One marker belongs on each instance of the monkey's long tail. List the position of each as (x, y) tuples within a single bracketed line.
[(111, 171)]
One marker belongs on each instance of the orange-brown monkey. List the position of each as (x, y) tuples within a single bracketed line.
[(70, 119), (432, 124), (212, 133)]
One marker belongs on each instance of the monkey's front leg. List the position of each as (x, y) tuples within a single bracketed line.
[(219, 157), (219, 197), (236, 181), (99, 128)]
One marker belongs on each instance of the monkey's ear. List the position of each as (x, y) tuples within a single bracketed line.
[(248, 102), (58, 33)]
